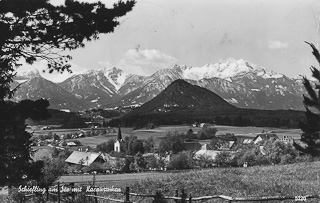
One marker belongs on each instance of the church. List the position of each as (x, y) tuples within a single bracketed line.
[(117, 144)]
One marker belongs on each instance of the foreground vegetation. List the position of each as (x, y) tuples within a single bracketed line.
[(285, 180)]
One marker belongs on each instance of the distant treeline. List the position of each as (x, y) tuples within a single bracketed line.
[(67, 120), (237, 117)]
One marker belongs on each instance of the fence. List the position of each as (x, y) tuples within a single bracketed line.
[(158, 197)]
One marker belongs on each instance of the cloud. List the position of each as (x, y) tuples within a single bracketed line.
[(230, 59), (145, 61), (41, 66), (273, 44)]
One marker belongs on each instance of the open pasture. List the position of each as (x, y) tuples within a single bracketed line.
[(161, 131), (252, 131)]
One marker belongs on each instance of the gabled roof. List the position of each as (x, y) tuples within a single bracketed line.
[(266, 136), (209, 153), (86, 158), (205, 147)]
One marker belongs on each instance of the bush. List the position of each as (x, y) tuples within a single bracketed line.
[(223, 159), (207, 133), (183, 160)]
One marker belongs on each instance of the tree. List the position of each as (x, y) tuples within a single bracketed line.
[(15, 142), (139, 162), (204, 161), (106, 147), (37, 30), (151, 162), (52, 170), (223, 159), (137, 146), (171, 143), (207, 133), (311, 128), (183, 160), (148, 144)]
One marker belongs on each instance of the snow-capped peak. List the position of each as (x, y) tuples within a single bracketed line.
[(115, 76), (225, 70), (221, 70)]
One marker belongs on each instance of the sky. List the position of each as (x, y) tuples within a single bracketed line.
[(158, 34)]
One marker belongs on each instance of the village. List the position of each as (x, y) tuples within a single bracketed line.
[(196, 146)]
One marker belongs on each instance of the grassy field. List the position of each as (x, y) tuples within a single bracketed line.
[(113, 179), (282, 180), (163, 130)]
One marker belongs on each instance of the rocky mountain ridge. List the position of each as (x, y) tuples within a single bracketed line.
[(240, 82)]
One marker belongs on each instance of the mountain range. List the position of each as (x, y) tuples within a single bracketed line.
[(240, 82)]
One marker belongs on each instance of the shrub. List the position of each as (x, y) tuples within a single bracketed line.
[(223, 159), (183, 160)]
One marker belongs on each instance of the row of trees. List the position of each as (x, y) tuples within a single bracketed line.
[(237, 117)]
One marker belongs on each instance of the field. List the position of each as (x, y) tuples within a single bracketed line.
[(113, 179), (163, 130), (281, 180)]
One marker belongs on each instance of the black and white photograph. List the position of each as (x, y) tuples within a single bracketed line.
[(159, 101)]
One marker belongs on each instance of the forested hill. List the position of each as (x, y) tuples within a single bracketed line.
[(181, 95), (66, 120), (183, 103)]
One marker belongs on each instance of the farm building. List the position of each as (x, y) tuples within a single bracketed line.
[(240, 141), (206, 150), (265, 136), (84, 158)]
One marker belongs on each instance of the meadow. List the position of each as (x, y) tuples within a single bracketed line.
[(281, 180), (112, 179), (161, 131)]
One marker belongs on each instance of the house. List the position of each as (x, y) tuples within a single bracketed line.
[(287, 139), (207, 151), (241, 140), (71, 144), (84, 158), (265, 136)]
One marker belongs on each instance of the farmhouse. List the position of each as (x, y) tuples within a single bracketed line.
[(241, 140), (265, 136), (84, 158), (207, 151)]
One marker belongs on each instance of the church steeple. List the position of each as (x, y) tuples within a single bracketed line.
[(119, 137), (117, 144)]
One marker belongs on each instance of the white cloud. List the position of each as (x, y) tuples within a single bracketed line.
[(274, 44), (145, 61), (41, 66), (230, 59)]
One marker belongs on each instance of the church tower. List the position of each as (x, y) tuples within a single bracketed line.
[(117, 144)]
